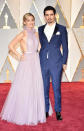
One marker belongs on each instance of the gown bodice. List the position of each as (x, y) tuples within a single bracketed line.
[(32, 40)]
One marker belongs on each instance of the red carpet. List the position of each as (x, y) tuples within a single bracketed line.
[(72, 110)]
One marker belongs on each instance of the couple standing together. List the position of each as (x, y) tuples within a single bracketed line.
[(28, 99)]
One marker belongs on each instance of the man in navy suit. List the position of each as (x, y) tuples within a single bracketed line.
[(52, 37)]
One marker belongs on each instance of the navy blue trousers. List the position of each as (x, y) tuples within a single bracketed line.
[(55, 72)]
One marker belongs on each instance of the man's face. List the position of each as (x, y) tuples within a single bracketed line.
[(49, 16)]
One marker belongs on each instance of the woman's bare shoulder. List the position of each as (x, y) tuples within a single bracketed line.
[(24, 32), (21, 34)]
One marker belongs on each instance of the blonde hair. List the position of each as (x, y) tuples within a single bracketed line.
[(25, 17)]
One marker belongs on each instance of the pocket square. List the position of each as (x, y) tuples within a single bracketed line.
[(58, 33)]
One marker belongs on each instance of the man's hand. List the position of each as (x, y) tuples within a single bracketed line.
[(64, 66)]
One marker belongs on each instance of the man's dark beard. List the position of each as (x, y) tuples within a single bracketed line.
[(50, 22)]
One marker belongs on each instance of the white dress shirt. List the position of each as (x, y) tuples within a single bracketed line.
[(49, 31)]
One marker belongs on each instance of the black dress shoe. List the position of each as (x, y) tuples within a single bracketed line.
[(47, 114), (58, 116)]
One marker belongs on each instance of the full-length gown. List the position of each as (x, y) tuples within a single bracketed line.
[(25, 102)]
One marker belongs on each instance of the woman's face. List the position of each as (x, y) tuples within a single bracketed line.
[(30, 22)]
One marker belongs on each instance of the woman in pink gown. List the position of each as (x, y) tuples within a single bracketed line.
[(25, 101)]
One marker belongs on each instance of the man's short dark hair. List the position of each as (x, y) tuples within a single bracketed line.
[(50, 8)]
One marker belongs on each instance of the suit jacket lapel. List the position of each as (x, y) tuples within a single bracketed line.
[(44, 36), (55, 30)]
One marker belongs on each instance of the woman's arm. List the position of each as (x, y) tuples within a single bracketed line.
[(39, 46), (14, 42)]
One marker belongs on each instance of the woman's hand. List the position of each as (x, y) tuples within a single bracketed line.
[(22, 57), (19, 57)]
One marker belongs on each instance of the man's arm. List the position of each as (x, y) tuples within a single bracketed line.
[(64, 42)]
